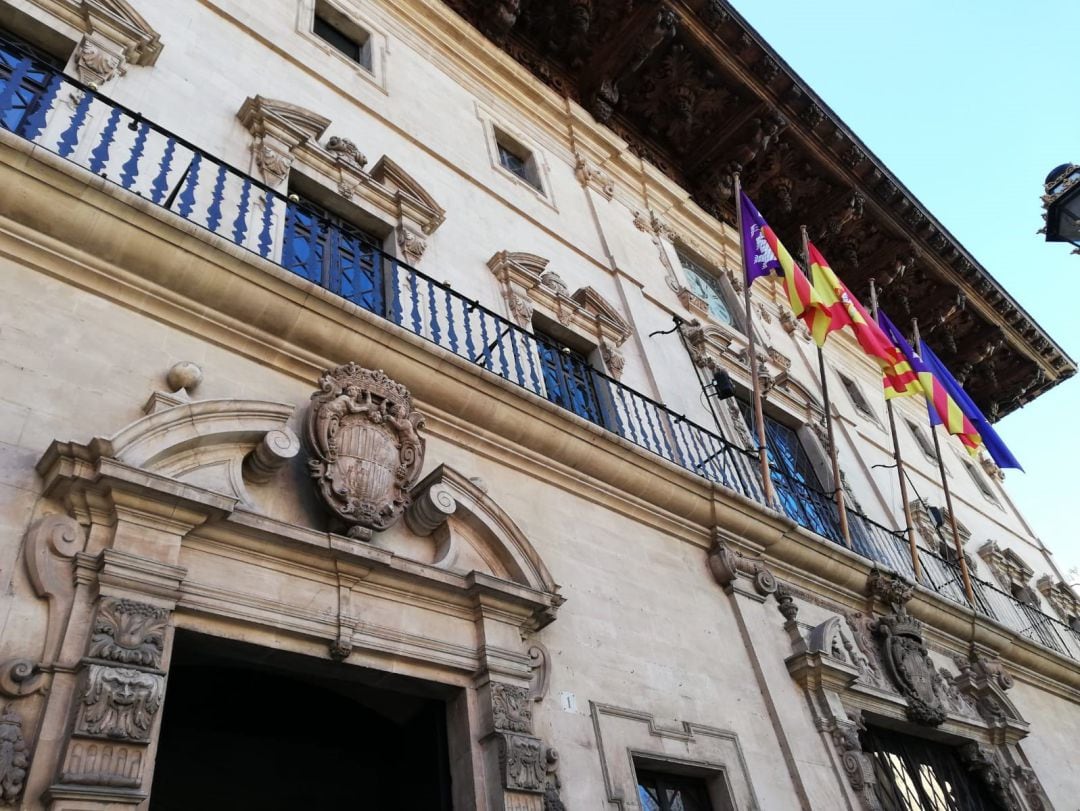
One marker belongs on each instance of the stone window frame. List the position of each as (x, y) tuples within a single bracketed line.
[(924, 442), (627, 737), (1062, 599), (534, 292), (496, 128), (849, 680), (857, 397), (285, 134), (374, 74), (979, 480), (113, 37), (1011, 572)]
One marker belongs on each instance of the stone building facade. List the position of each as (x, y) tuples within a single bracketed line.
[(349, 456)]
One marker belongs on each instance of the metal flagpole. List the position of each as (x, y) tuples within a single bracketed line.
[(759, 418), (838, 484), (916, 564), (968, 590)]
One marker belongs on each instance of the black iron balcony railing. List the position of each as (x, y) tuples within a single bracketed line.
[(62, 115)]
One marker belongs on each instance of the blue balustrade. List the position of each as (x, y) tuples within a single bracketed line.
[(36, 100)]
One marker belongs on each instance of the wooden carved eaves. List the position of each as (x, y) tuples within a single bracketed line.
[(529, 287)]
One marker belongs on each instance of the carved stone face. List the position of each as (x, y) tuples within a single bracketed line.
[(119, 702)]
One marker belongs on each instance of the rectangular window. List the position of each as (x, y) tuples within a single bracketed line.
[(32, 72), (517, 160), (925, 443), (858, 399), (671, 792), (708, 287), (797, 484), (343, 35), (568, 379), (334, 254), (980, 481)]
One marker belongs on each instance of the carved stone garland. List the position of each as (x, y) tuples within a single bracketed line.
[(366, 447), (120, 690), (14, 757)]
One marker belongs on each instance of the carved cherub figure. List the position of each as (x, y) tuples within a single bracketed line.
[(330, 415), (403, 424)]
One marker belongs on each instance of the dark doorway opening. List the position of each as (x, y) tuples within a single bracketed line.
[(248, 727)]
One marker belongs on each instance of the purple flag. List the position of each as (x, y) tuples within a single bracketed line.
[(758, 243)]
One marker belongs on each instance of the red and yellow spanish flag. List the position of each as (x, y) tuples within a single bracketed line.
[(899, 378)]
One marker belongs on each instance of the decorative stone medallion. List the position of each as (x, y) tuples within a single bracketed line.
[(909, 666), (366, 447)]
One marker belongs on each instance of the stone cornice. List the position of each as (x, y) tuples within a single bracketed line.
[(293, 326)]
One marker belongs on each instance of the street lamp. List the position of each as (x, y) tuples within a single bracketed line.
[(1062, 202)]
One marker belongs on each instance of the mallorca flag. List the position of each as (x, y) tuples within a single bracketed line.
[(763, 254), (900, 379), (943, 408), (1001, 455)]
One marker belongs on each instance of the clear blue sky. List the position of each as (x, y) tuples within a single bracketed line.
[(970, 103)]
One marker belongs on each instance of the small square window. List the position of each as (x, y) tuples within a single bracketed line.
[(980, 481), (345, 36), (926, 445), (708, 287), (858, 399), (517, 160)]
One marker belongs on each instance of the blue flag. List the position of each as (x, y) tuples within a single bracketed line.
[(1001, 455)]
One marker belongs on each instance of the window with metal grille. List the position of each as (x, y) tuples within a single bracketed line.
[(569, 380), (334, 28), (914, 774), (670, 792), (25, 75), (336, 255), (797, 484), (708, 287)]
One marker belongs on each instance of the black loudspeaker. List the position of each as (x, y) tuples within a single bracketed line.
[(723, 388)]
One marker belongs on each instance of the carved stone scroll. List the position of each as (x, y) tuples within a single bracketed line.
[(51, 543), (366, 447), (727, 565), (276, 449)]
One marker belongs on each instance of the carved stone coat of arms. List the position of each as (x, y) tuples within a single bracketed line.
[(366, 447)]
